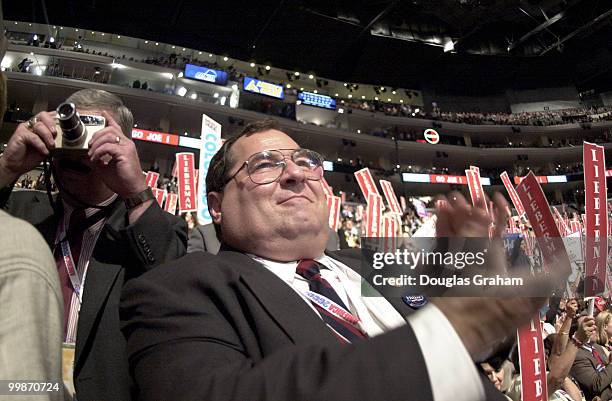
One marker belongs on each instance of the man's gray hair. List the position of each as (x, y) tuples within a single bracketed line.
[(100, 99)]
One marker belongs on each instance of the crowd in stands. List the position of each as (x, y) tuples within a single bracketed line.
[(536, 118), (571, 340), (352, 226), (28, 182)]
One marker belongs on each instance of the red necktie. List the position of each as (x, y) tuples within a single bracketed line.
[(74, 236), (344, 331), (597, 356)]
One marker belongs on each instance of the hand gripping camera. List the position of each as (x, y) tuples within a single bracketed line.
[(75, 131)]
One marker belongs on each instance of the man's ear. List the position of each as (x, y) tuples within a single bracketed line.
[(214, 206)]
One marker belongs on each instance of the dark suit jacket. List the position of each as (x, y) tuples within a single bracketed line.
[(223, 327), (121, 252), (593, 383)]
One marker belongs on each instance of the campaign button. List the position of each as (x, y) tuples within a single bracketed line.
[(415, 301)]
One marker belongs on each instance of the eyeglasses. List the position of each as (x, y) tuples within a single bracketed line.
[(267, 166)]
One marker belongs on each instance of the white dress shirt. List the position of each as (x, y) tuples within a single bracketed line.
[(444, 353)]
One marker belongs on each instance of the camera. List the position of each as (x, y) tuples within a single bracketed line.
[(74, 130)]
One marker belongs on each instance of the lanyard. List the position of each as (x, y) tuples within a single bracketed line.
[(71, 269), (71, 266), (331, 307)]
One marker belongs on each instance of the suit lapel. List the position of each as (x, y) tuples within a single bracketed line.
[(285, 307), (99, 281)]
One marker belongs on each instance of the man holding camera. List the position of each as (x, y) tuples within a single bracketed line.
[(104, 228)]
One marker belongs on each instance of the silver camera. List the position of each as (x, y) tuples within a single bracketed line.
[(75, 131)]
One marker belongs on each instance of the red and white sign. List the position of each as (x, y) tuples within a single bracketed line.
[(333, 206), (512, 192), (403, 202), (389, 232), (389, 193), (160, 194), (152, 178), (531, 360), (170, 205), (542, 221), (609, 173), (476, 191), (154, 136), (359, 212), (431, 136), (186, 182), (563, 228), (374, 213), (366, 183), (596, 222), (575, 226), (327, 190)]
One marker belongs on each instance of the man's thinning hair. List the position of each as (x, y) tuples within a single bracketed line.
[(100, 99), (223, 161)]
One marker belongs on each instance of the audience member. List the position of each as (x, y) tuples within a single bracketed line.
[(104, 228), (243, 328)]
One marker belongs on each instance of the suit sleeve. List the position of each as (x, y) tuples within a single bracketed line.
[(156, 237), (185, 343), (196, 241), (588, 377)]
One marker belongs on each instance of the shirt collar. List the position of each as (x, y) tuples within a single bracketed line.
[(284, 270), (68, 209)]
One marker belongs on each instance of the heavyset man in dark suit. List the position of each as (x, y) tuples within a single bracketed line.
[(240, 326), (130, 235)]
